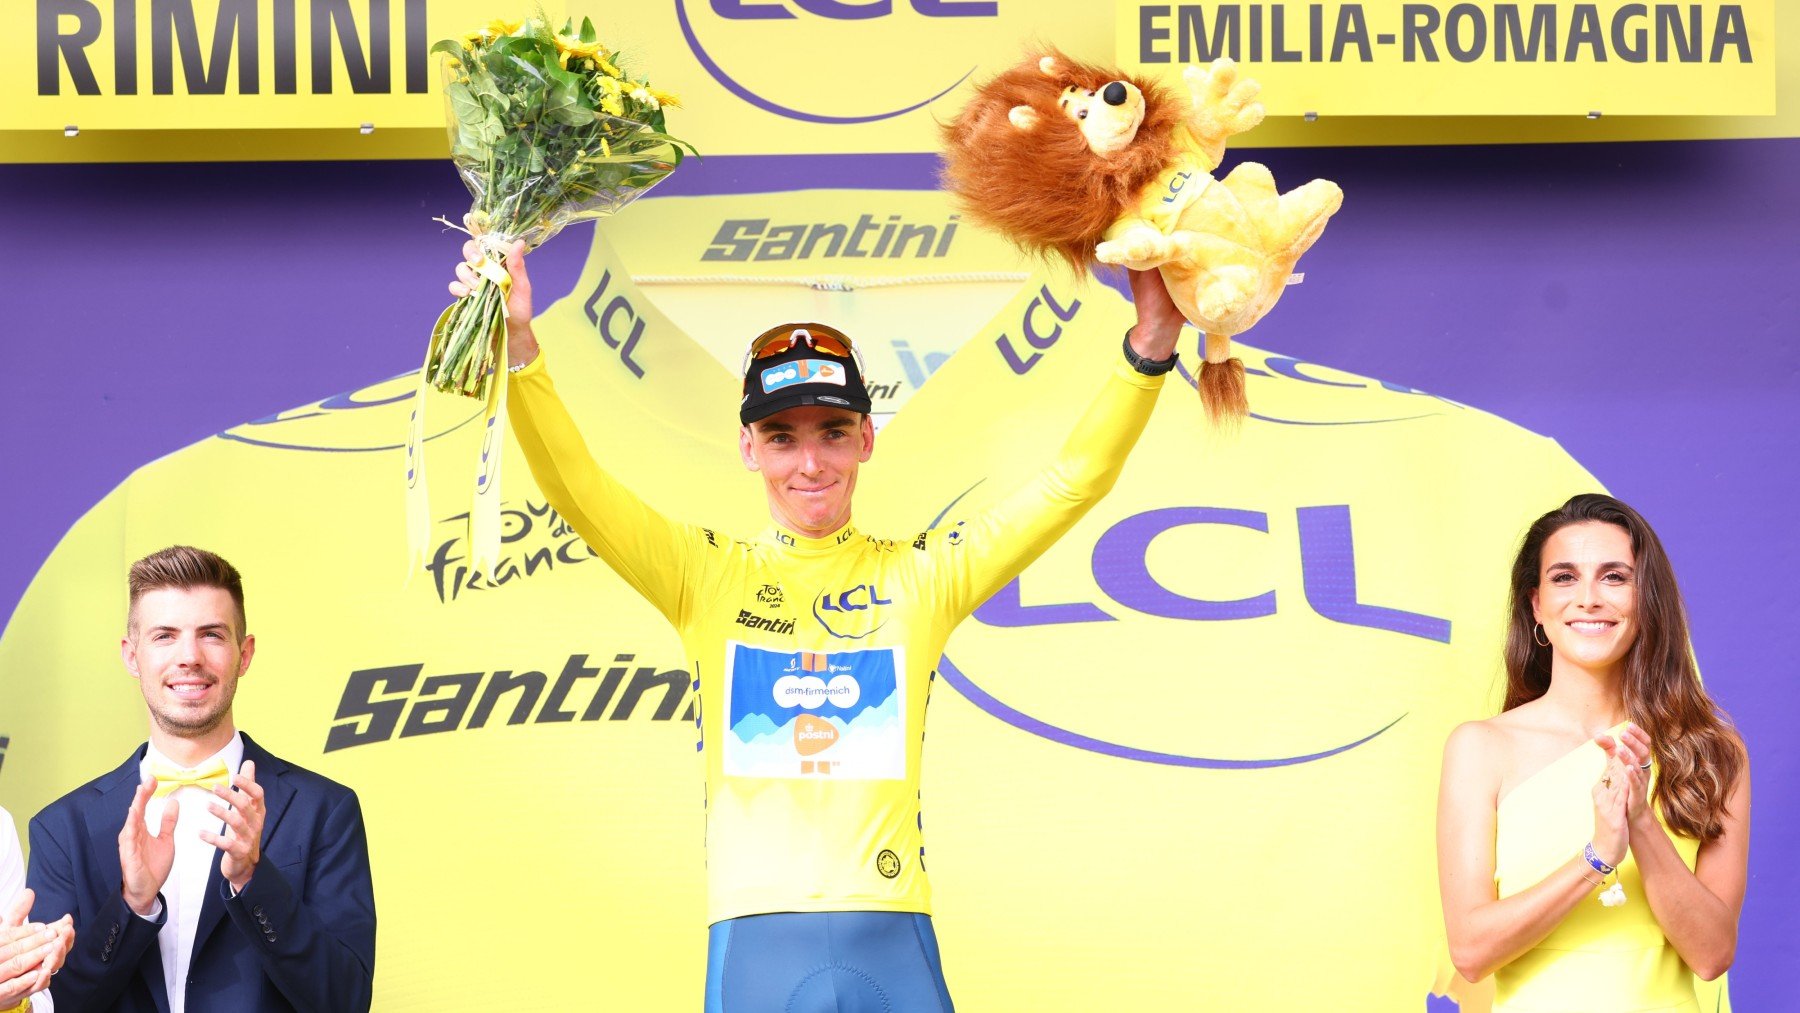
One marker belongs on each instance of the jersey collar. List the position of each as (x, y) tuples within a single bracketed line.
[(781, 537)]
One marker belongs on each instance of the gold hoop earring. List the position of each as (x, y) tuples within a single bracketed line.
[(1537, 628)]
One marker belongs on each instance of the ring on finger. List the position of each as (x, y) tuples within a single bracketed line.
[(1606, 782), (1644, 766)]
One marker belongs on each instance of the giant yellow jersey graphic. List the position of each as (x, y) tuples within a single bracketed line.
[(1185, 760)]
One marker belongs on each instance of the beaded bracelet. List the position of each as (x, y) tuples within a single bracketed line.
[(1613, 895), (1594, 860)]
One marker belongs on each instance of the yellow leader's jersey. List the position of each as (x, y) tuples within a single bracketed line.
[(813, 658)]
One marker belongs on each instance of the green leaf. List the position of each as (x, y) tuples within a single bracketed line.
[(528, 48), (489, 92), (587, 31), (562, 104), (449, 47), (465, 105), (469, 149)]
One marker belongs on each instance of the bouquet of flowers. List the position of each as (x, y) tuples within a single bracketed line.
[(546, 130)]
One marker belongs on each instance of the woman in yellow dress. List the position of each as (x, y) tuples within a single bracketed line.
[(1593, 837)]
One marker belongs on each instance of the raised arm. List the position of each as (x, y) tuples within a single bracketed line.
[(1486, 932), (651, 552), (1004, 539)]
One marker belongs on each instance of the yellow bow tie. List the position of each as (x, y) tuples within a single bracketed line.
[(169, 777)]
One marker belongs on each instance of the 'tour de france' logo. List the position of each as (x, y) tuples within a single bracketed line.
[(862, 61)]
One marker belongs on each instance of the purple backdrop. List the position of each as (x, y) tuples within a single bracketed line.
[(1634, 301)]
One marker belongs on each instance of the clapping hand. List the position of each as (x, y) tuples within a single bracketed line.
[(30, 952), (1629, 755), (241, 809), (145, 858)]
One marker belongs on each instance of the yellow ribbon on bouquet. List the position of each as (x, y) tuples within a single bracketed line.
[(483, 519)]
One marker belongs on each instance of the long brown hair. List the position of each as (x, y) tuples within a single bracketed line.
[(1043, 188), (1692, 738)]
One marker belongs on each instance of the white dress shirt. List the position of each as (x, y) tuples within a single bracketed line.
[(12, 865), (12, 880), (185, 891)]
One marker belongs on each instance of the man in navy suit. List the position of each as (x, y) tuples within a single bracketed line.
[(204, 873)]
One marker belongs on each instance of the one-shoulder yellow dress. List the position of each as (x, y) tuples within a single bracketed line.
[(1600, 959)]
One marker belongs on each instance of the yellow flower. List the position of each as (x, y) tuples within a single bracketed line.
[(663, 98), (605, 148), (569, 47), (607, 68), (612, 105), (495, 29)]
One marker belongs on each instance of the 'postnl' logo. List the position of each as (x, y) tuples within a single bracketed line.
[(859, 62)]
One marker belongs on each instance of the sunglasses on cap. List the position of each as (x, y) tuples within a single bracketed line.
[(780, 339)]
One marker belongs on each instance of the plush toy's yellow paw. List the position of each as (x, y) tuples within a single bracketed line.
[(1304, 212), (1223, 104), (1139, 252), (1227, 292)]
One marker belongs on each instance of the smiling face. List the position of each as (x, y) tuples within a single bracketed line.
[(187, 650), (809, 463), (808, 458), (1586, 598), (1107, 116)]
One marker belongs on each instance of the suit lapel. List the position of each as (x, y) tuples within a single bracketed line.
[(277, 792), (212, 908), (276, 796), (104, 817), (106, 809)]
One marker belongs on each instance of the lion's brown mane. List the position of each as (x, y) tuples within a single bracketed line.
[(1043, 188)]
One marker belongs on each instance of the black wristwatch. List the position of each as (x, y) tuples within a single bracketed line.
[(1148, 367)]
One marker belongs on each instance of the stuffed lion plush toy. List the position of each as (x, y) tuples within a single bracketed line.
[(1076, 161)]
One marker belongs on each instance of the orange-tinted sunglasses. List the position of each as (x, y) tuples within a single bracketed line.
[(779, 339)]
